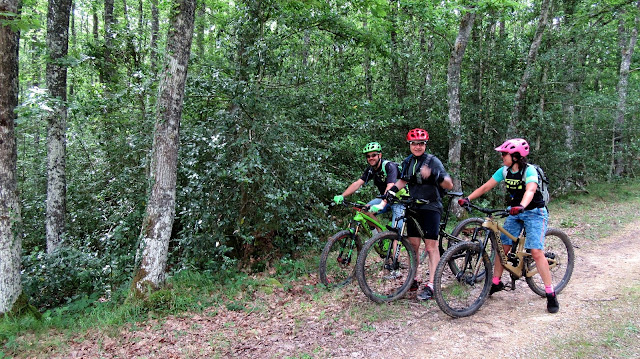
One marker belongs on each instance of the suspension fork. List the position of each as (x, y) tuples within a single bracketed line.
[(393, 252), (349, 243), (471, 262)]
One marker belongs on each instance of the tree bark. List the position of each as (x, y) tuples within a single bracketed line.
[(106, 75), (528, 71), (10, 239), (57, 45), (155, 26), (453, 96), (160, 211), (627, 42)]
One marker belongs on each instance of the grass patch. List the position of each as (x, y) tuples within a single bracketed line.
[(597, 212)]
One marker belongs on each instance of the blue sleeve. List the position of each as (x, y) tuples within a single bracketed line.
[(499, 175), (530, 175)]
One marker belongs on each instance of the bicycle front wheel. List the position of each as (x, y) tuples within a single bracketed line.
[(559, 252), (386, 278), (461, 294), (338, 259)]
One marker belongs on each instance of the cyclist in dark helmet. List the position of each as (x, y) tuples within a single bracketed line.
[(527, 211), (383, 173), (425, 177)]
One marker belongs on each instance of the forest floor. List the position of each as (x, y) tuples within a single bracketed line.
[(598, 318)]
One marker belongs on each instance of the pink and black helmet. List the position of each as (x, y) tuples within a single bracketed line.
[(514, 145)]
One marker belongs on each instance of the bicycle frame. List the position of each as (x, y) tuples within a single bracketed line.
[(357, 222), (517, 252)]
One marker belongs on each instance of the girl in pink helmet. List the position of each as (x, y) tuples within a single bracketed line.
[(527, 210)]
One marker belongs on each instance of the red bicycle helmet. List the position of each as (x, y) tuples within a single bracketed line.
[(417, 134), (514, 145)]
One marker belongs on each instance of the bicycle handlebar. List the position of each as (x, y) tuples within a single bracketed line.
[(502, 213), (357, 205), (408, 201)]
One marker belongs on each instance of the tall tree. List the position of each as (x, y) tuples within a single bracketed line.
[(453, 93), (10, 240), (57, 45), (160, 211), (108, 68), (530, 66), (627, 42)]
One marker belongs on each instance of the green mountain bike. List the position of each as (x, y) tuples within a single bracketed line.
[(339, 256)]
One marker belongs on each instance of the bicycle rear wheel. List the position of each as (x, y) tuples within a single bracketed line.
[(559, 252), (463, 231), (471, 230), (338, 259), (462, 293), (386, 278)]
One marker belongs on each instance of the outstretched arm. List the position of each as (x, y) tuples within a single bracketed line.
[(353, 188), (486, 187)]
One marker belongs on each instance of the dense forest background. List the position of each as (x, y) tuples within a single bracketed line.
[(281, 96)]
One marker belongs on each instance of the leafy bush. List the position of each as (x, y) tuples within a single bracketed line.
[(62, 277)]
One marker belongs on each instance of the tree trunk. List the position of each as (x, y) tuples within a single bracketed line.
[(368, 79), (397, 69), (10, 239), (160, 212), (106, 75), (626, 51), (453, 96), (57, 45), (528, 71), (155, 26), (201, 24)]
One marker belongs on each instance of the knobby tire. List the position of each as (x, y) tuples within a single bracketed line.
[(461, 294), (557, 245), (334, 270), (382, 283)]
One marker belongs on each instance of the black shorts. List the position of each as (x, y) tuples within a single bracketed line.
[(428, 220)]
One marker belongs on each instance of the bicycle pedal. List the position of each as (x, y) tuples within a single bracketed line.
[(389, 266)]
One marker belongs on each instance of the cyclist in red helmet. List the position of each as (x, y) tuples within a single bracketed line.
[(527, 210), (425, 177)]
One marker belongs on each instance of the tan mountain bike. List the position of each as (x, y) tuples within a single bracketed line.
[(461, 293)]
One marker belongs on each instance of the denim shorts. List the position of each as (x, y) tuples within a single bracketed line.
[(534, 221), (396, 209)]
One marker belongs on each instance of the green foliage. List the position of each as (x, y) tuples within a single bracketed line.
[(280, 100), (62, 277)]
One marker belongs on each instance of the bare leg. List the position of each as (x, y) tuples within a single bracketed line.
[(543, 266), (497, 266), (434, 257)]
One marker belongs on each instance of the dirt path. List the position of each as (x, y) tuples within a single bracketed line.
[(510, 321), (304, 322)]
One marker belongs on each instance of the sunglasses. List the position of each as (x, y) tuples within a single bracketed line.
[(417, 143), (504, 153), (371, 156)]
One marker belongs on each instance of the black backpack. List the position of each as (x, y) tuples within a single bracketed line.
[(543, 181)]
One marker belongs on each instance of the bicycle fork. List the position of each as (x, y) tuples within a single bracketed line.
[(347, 246), (391, 261), (471, 269)]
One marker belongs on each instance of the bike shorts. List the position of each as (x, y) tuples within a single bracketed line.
[(533, 221), (428, 220)]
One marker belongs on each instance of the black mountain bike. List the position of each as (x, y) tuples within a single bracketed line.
[(388, 276)]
